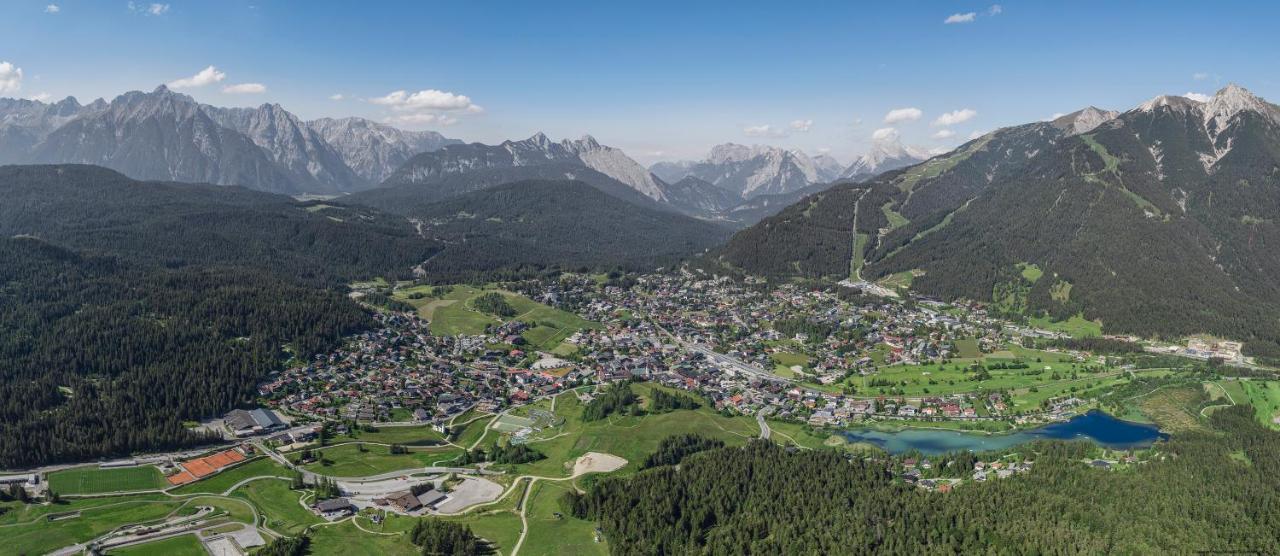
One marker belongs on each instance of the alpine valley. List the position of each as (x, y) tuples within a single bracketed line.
[(236, 331)]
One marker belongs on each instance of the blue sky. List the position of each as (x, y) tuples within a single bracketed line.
[(660, 80)]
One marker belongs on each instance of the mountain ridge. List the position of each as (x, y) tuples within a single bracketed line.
[(1141, 221)]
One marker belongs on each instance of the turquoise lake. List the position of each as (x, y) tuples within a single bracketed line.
[(1096, 426)]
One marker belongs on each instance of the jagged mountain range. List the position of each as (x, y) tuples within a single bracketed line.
[(163, 135), (748, 172), (458, 169), (1160, 221), (884, 156)]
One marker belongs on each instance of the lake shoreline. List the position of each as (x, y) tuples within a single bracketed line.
[(1095, 425)]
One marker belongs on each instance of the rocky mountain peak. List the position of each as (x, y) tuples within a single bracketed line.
[(1084, 120), (1234, 99)]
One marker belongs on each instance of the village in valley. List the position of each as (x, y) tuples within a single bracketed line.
[(482, 404)]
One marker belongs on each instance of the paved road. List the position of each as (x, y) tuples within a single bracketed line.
[(765, 432)]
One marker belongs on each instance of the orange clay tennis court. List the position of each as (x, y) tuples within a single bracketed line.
[(199, 468)]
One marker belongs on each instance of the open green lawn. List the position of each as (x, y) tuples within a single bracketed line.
[(786, 432), (1076, 326), (632, 438), (896, 220), (183, 545), (93, 480), (1175, 409), (279, 505), (453, 314), (344, 539), (415, 435), (219, 483), (348, 461), (968, 349), (784, 360), (29, 533), (1265, 398), (936, 378), (898, 280), (1030, 272), (551, 536)]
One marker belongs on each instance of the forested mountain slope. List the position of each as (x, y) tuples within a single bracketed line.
[(173, 225), (545, 224), (1158, 221), (129, 307)]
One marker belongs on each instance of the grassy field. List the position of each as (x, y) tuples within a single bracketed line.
[(345, 539), (896, 220), (784, 360), (968, 349), (348, 461), (183, 545), (279, 505), (1175, 409), (1030, 272), (453, 314), (785, 432), (915, 380), (632, 438), (1076, 327), (28, 534), (93, 480), (550, 535), (1265, 398), (898, 280), (415, 435)]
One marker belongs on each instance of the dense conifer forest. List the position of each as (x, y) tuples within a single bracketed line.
[(103, 358), (1217, 490)]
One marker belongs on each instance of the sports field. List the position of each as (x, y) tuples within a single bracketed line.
[(93, 480)]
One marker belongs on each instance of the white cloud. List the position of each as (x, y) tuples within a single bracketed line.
[(944, 134), (1200, 76), (149, 9), (1198, 97), (939, 150), (41, 97), (206, 76), (802, 126), (10, 78), (885, 135), (337, 96), (52, 9), (902, 115), (429, 99), (1055, 116), (765, 130), (995, 9), (955, 117), (426, 107), (245, 89), (976, 134), (961, 18)]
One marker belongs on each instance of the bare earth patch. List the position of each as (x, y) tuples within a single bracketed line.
[(596, 462)]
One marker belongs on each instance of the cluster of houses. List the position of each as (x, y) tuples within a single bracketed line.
[(400, 371)]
